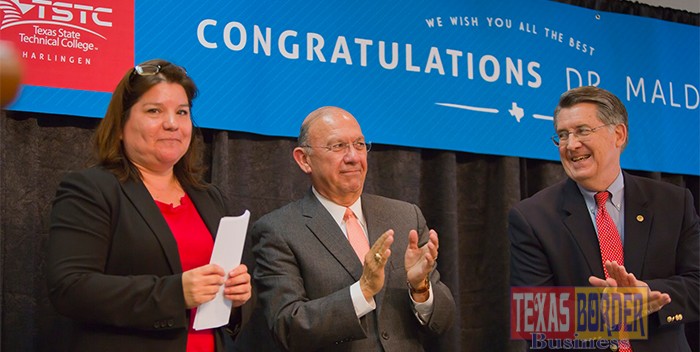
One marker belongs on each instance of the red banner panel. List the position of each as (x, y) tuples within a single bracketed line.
[(81, 44)]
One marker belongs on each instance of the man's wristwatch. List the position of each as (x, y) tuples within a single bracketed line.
[(424, 289)]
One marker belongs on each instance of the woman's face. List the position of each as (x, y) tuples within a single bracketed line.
[(158, 129)]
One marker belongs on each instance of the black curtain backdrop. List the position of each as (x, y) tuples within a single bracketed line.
[(464, 196)]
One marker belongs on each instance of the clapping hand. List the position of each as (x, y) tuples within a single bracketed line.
[(619, 277), (372, 279), (420, 261)]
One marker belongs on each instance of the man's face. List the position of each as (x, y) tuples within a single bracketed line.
[(337, 175), (592, 161)]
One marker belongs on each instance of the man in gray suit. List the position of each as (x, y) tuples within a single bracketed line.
[(313, 290)]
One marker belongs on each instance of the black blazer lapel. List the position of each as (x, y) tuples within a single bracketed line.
[(142, 201), (638, 220), (322, 225), (578, 220), (206, 208)]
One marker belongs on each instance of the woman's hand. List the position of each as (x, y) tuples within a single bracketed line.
[(201, 284), (238, 288)]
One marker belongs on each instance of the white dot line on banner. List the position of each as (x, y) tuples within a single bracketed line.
[(467, 107)]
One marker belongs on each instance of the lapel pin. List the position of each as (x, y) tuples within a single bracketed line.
[(640, 218)]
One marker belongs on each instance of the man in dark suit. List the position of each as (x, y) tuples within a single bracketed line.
[(315, 291), (555, 238)]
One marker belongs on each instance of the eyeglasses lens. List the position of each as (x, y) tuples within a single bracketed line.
[(147, 70)]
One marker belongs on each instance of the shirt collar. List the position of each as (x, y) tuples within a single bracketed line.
[(615, 189), (338, 211)]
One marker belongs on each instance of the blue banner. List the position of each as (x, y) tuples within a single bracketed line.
[(467, 75)]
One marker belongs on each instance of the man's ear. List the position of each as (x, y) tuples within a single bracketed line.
[(620, 135), (302, 159)]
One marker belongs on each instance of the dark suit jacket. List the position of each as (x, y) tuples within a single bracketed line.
[(114, 267), (305, 266), (554, 243)]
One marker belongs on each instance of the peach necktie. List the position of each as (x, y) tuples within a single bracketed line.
[(356, 236)]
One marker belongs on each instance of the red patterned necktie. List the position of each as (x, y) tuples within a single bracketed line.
[(608, 237), (356, 236), (610, 245)]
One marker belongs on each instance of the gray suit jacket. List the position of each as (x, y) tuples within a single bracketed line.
[(305, 266)]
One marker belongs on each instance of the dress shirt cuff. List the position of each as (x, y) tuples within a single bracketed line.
[(361, 305), (423, 310)]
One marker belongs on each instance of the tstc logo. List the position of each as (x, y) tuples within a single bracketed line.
[(67, 44), (61, 13)]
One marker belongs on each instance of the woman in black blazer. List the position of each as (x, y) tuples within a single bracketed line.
[(130, 238)]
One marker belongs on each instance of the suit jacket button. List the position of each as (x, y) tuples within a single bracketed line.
[(669, 319), (385, 335), (155, 325), (679, 317), (170, 323)]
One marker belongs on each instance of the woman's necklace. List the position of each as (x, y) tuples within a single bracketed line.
[(170, 193)]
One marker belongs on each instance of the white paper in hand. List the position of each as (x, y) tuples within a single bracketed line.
[(227, 253)]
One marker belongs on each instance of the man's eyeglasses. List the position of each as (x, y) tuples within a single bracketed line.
[(581, 133), (342, 147)]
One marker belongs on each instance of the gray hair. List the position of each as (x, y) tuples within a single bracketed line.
[(610, 108)]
